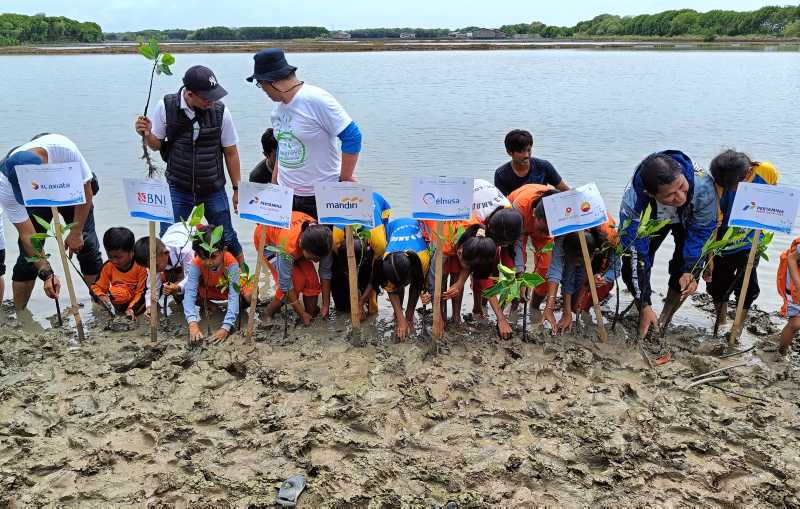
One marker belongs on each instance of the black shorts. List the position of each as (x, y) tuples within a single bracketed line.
[(2, 262), (89, 258), (727, 277)]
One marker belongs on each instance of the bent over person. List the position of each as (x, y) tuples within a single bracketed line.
[(668, 183), (81, 239)]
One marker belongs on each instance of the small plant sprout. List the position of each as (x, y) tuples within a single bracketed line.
[(161, 65)]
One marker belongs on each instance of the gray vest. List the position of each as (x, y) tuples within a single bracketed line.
[(193, 166)]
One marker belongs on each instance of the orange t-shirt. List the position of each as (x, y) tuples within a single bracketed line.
[(287, 239), (122, 287), (525, 200), (211, 278), (449, 230)]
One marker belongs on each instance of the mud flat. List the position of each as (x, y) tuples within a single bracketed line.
[(479, 422)]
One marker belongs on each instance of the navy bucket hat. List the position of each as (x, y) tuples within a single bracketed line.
[(9, 169), (270, 65)]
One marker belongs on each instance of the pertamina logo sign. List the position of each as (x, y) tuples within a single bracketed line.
[(763, 210)]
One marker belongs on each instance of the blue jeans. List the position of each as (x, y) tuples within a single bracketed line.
[(217, 210)]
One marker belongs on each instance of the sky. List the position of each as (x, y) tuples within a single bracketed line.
[(131, 15)]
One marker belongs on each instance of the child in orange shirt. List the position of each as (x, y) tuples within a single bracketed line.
[(121, 282), (789, 288)]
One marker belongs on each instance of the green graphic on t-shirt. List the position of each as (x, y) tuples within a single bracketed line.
[(292, 151)]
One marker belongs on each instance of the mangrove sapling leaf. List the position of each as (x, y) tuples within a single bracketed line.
[(546, 248), (161, 65)]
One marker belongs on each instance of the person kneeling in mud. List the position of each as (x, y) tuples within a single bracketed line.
[(174, 255), (291, 261), (788, 282), (121, 282), (212, 276), (567, 269), (366, 252), (405, 263)]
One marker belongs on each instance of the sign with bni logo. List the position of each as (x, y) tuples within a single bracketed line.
[(574, 210), (764, 207), (51, 185), (267, 204), (344, 204), (441, 198), (148, 199)]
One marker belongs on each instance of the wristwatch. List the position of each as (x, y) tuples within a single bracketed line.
[(46, 274)]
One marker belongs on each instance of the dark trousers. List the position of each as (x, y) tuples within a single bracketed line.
[(340, 282), (728, 275), (217, 212), (306, 205), (675, 269), (89, 258)]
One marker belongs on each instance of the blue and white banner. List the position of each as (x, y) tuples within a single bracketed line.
[(574, 210), (148, 199), (441, 198), (764, 207), (344, 204), (51, 185), (267, 204)]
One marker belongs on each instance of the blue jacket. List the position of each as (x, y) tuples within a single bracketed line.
[(698, 216)]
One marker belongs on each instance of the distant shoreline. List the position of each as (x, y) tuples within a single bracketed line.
[(315, 46)]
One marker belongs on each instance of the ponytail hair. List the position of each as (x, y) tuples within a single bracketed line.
[(317, 239), (401, 269), (504, 225), (478, 252)]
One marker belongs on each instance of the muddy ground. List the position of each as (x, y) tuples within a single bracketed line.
[(477, 422)]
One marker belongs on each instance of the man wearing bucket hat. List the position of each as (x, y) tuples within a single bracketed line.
[(193, 130), (306, 122)]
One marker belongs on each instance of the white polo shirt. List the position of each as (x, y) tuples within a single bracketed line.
[(60, 149), (228, 136)]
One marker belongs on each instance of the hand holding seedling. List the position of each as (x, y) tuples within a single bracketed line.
[(688, 285), (52, 287), (161, 65), (130, 314), (74, 241), (648, 319)]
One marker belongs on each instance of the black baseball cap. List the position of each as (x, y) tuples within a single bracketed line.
[(201, 81)]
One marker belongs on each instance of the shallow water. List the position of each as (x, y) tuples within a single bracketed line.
[(594, 115)]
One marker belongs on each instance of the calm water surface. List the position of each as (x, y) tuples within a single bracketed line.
[(594, 115)]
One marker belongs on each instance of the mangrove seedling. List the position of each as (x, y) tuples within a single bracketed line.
[(161, 65), (509, 285)]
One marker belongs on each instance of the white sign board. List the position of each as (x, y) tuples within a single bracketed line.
[(571, 211), (764, 207), (51, 185), (148, 199), (441, 198), (344, 204), (267, 204)]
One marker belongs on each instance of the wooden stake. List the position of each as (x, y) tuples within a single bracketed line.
[(153, 275), (738, 324), (251, 320), (352, 276), (587, 262), (438, 322), (65, 263)]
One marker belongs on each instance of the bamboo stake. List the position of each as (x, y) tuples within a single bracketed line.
[(438, 322), (587, 261), (738, 323), (251, 321), (153, 296), (352, 276), (73, 300)]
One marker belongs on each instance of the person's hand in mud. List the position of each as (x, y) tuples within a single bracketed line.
[(647, 320), (130, 314), (402, 328), (220, 336), (325, 312), (688, 285), (565, 324), (306, 318), (195, 334), (453, 290), (171, 288), (425, 298), (549, 316), (504, 329), (52, 287)]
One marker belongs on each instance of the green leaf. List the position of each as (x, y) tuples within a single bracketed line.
[(245, 268), (39, 236), (42, 222), (505, 270), (625, 225), (532, 280), (547, 248), (644, 218), (167, 59), (154, 48), (164, 69), (146, 51), (216, 235), (493, 291), (196, 217)]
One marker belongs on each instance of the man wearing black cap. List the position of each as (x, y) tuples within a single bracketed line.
[(193, 131), (306, 122)]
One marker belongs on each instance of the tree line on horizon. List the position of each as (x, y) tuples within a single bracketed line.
[(770, 21)]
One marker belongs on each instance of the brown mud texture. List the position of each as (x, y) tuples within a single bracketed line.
[(472, 422)]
